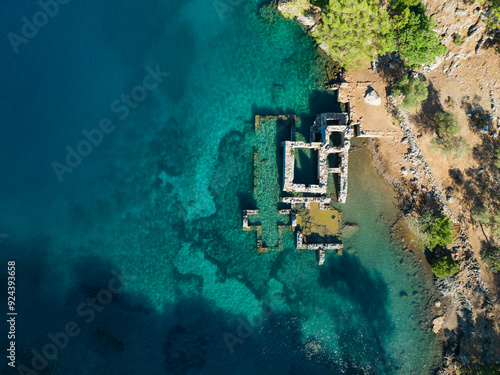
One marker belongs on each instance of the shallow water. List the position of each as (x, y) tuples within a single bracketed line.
[(160, 200)]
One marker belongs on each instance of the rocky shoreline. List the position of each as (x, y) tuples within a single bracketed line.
[(467, 297), (475, 306), (471, 305)]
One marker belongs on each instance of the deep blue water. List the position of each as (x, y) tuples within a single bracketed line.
[(158, 199)]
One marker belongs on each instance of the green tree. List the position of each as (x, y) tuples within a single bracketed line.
[(354, 31), (450, 145), (447, 123), (444, 266), (415, 91), (493, 13), (457, 39), (491, 256), (438, 230), (416, 41)]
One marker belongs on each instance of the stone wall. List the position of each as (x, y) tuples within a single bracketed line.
[(323, 201), (321, 126)]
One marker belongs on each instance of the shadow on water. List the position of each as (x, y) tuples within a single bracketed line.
[(247, 201), (354, 283), (191, 336), (30, 256), (306, 166), (94, 274), (323, 101), (205, 339), (319, 102)]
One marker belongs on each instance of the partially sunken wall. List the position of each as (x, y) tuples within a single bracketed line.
[(325, 125), (322, 129)]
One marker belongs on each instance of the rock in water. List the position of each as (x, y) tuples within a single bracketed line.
[(372, 97), (349, 229), (437, 324)]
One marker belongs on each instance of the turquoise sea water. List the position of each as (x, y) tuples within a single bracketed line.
[(159, 200)]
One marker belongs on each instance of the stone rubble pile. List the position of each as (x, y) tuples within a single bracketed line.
[(415, 157)]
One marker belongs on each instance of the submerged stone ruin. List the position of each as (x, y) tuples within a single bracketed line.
[(330, 134), (322, 139)]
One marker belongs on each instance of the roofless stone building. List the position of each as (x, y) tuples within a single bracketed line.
[(329, 139), (330, 134)]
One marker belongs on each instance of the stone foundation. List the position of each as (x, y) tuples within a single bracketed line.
[(324, 126)]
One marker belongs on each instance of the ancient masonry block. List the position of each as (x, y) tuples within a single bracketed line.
[(323, 201)]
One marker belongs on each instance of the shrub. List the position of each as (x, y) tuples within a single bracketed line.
[(354, 31), (496, 224), (447, 123), (491, 256), (438, 230), (497, 158), (415, 39), (457, 39), (481, 215), (454, 146), (493, 14), (496, 231), (415, 91), (397, 119), (444, 266)]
